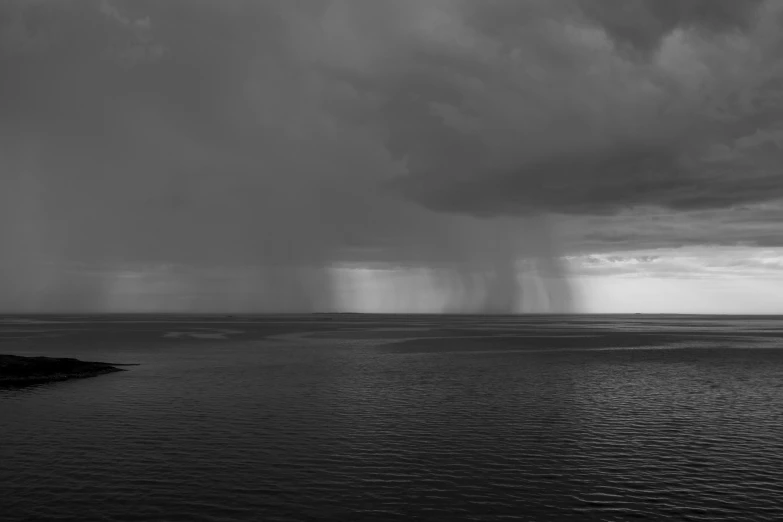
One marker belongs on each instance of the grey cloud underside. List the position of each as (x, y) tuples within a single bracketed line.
[(294, 135), (642, 24), (602, 185), (745, 226)]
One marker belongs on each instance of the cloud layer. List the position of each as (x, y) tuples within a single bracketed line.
[(293, 135)]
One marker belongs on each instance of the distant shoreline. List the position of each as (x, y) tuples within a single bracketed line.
[(16, 370)]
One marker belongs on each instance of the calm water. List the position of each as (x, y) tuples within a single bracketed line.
[(398, 418)]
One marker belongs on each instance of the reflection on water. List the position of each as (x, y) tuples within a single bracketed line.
[(278, 425)]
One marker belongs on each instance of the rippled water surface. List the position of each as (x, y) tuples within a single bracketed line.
[(398, 418)]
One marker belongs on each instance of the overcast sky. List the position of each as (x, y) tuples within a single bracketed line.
[(458, 155)]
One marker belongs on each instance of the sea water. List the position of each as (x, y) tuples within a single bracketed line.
[(352, 417)]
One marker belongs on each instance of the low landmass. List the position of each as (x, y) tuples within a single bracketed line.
[(16, 370)]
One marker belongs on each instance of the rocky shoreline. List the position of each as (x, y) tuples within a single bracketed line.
[(16, 370)]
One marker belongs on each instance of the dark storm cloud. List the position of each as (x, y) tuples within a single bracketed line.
[(292, 135), (577, 126), (485, 119), (642, 24), (229, 134)]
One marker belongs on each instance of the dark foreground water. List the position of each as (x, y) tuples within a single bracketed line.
[(398, 418)]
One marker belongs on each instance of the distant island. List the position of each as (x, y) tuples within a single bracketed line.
[(16, 370)]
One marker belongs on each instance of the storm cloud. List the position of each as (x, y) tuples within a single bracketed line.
[(643, 24), (274, 140)]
